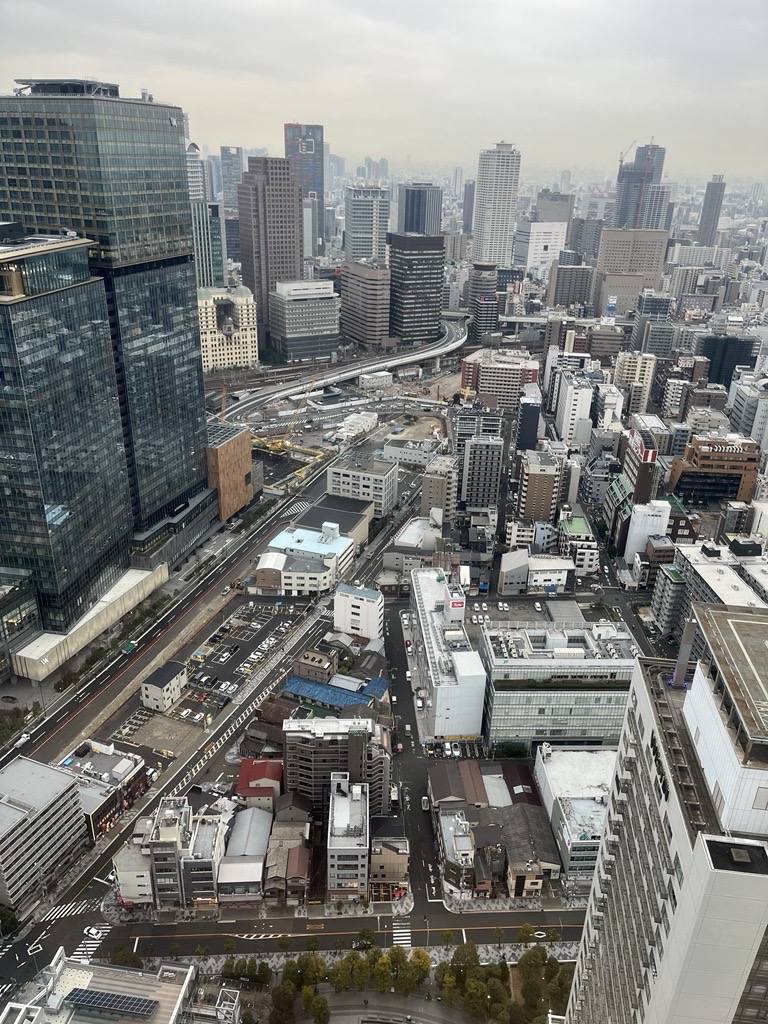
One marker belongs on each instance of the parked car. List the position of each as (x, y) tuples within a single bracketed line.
[(456, 750)]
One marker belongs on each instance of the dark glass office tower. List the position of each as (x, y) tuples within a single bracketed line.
[(65, 514), (416, 264), (304, 152), (633, 183), (419, 208), (710, 210), (74, 155)]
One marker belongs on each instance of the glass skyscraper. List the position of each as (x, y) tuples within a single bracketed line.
[(75, 155), (65, 514)]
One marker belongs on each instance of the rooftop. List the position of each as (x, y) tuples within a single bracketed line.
[(295, 540), (572, 643), (365, 463), (163, 674), (27, 787), (249, 836), (326, 727), (576, 525), (417, 533), (324, 693), (36, 245), (222, 433), (204, 837), (581, 781), (365, 593), (348, 813), (443, 638)]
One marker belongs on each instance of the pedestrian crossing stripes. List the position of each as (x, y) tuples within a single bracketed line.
[(5, 990), (73, 909), (264, 935), (401, 934), (88, 945), (298, 506)]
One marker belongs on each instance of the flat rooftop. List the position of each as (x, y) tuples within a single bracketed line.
[(26, 788), (738, 641), (581, 780), (418, 533), (348, 815), (326, 727), (443, 640), (295, 540), (595, 642), (365, 593), (222, 433)]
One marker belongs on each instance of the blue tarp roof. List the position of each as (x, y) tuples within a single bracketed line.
[(377, 687), (323, 693)]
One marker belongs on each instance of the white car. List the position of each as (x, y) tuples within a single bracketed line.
[(484, 606), (93, 933), (537, 606), (474, 620)]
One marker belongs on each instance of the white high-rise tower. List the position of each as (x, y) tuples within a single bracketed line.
[(496, 187)]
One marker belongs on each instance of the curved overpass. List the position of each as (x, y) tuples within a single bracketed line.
[(454, 337)]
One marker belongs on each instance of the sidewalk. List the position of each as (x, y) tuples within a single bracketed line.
[(456, 905)]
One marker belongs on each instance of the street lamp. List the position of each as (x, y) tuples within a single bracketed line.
[(426, 922)]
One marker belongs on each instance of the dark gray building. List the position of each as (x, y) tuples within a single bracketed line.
[(710, 211), (209, 244), (75, 155), (232, 162), (419, 208), (633, 183), (304, 152), (270, 208), (468, 206), (482, 302), (584, 237), (481, 471), (416, 264), (65, 513)]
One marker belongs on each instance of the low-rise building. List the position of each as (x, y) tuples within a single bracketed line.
[(413, 454), (301, 562), (559, 684), (367, 479), (577, 542), (200, 862), (574, 783), (164, 686), (415, 543), (133, 877), (446, 665), (358, 611), (348, 839), (258, 782), (523, 573), (390, 859), (109, 782), (241, 870), (318, 666)]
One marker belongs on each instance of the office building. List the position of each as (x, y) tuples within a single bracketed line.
[(42, 830), (365, 289), (348, 839), (646, 521), (676, 885), (195, 174), (555, 207), (714, 469), (315, 748), (655, 208), (304, 320), (304, 152), (439, 487), (366, 221), (633, 374), (653, 330), (562, 684), (19, 616), (270, 215), (209, 244), (725, 352), (134, 205), (66, 514), (499, 374), (482, 466), (539, 487), (419, 208), (229, 334), (304, 562), (365, 479), (416, 264), (627, 262), (574, 403), (467, 207), (495, 208), (574, 783), (231, 471), (584, 236), (710, 210), (633, 182), (451, 672), (538, 245), (482, 304), (359, 611), (528, 418), (232, 162), (570, 285)]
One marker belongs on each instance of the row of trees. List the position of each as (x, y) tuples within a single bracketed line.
[(257, 972)]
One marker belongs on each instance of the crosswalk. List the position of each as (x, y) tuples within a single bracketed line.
[(88, 945), (252, 936), (6, 990), (401, 932), (73, 909), (297, 507)]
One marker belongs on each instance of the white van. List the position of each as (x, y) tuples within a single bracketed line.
[(447, 748), (419, 704), (408, 676)]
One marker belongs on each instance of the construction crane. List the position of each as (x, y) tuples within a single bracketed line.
[(624, 152)]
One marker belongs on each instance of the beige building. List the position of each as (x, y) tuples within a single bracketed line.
[(628, 260), (230, 469), (439, 486), (365, 304), (228, 328), (317, 665), (539, 487), (634, 375), (501, 374)]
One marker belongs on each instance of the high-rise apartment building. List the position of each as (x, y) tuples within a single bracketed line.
[(482, 304), (129, 195), (481, 472), (416, 265), (634, 374), (65, 513), (439, 486), (495, 209), (477, 421), (365, 299), (419, 208), (656, 208), (570, 285), (269, 198), (196, 174), (633, 181), (584, 236), (366, 221), (468, 207), (304, 320), (229, 334), (232, 162), (304, 152), (208, 242), (677, 922), (540, 480), (315, 748), (528, 416), (538, 245), (574, 402), (710, 210), (500, 374), (653, 330)]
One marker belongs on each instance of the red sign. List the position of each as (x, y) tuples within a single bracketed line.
[(457, 604)]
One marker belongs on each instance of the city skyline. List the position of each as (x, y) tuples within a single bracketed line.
[(651, 85)]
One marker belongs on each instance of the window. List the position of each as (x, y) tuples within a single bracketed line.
[(760, 803)]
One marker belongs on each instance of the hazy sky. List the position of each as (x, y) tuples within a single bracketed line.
[(430, 82)]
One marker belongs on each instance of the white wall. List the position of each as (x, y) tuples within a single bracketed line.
[(368, 623)]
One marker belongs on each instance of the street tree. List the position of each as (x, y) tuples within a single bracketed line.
[(382, 973), (476, 999), (264, 975), (525, 933), (464, 959), (340, 975), (321, 1013), (420, 965), (361, 973), (307, 998), (448, 988)]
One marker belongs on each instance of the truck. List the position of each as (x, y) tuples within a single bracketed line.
[(425, 803)]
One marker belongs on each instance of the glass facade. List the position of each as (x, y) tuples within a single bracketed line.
[(19, 616), (64, 498), (114, 170)]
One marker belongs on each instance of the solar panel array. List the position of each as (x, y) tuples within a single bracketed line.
[(111, 1002)]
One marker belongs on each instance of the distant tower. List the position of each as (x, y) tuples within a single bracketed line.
[(419, 208), (710, 211), (468, 206), (231, 174), (632, 182), (366, 220), (496, 189), (304, 149), (483, 307), (195, 173)]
